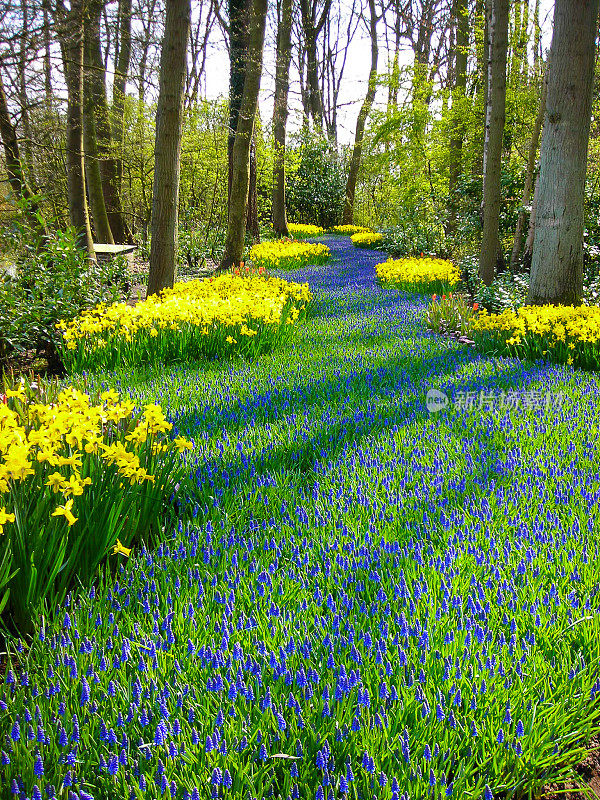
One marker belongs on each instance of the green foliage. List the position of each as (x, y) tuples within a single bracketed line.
[(451, 313), (53, 281), (316, 180)]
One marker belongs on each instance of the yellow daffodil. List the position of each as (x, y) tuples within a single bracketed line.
[(118, 549), (65, 511)]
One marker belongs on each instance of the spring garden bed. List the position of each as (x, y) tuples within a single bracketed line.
[(372, 600)]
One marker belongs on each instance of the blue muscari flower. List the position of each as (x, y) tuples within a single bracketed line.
[(432, 778), (85, 693), (427, 753), (500, 738), (216, 778), (36, 794), (520, 730), (262, 754), (319, 794), (38, 767), (15, 733), (4, 759)]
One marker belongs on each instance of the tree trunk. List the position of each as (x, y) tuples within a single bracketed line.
[(491, 253), (167, 149), (280, 114), (457, 135), (119, 83), (252, 223), (311, 28), (531, 160), (72, 45), (236, 224), (239, 11), (557, 263), (348, 213), (107, 163)]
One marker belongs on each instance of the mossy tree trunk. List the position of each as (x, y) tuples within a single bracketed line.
[(280, 114)]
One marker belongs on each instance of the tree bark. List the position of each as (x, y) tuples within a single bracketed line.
[(99, 115), (280, 114), (557, 262), (491, 254), (118, 97), (348, 213), (236, 224), (312, 27), (531, 161), (458, 129), (71, 32), (167, 149)]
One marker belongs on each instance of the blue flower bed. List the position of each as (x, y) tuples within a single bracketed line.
[(375, 601)]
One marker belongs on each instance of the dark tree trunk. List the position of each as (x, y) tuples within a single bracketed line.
[(457, 135), (167, 150), (71, 32), (491, 254), (236, 224), (557, 263), (280, 114), (118, 98), (348, 213)]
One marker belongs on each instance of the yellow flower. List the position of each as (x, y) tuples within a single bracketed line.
[(230, 340), (119, 549), (56, 481), (5, 517), (65, 511), (182, 444)]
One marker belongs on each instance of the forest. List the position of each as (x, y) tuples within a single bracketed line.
[(299, 390)]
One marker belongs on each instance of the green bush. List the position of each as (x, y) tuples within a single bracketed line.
[(316, 180), (53, 280)]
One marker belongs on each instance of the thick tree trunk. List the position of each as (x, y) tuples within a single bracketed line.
[(72, 45), (239, 15), (167, 149), (280, 114), (457, 135), (557, 263), (100, 118), (348, 213), (312, 28), (531, 161), (491, 254), (236, 224)]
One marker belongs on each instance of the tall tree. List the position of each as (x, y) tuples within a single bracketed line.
[(122, 60), (491, 253), (280, 113), (313, 17), (71, 36), (457, 123), (167, 149), (240, 177), (348, 213), (557, 263)]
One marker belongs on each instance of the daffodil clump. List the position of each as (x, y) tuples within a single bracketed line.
[(564, 334), (368, 239), (349, 230), (287, 254), (299, 231), (423, 275), (209, 318), (77, 481)]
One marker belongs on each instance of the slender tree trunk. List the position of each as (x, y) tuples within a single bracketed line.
[(280, 114), (119, 83), (482, 46), (23, 99), (557, 263), (531, 161), (312, 28), (458, 127), (239, 11), (167, 149), (72, 45), (348, 213), (236, 224), (491, 254), (252, 223), (528, 249), (46, 45)]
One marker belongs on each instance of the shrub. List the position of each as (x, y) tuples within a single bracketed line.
[(316, 179), (286, 254), (299, 231), (370, 240), (195, 319), (451, 314), (419, 274), (77, 480), (564, 334), (416, 237), (54, 281)]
